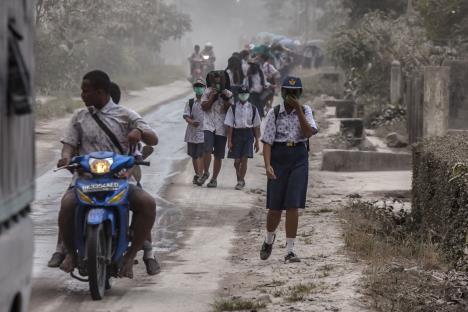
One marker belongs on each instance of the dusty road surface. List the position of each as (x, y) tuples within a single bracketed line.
[(193, 240)]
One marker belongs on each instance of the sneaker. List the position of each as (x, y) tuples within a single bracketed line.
[(291, 257), (240, 185), (213, 183), (203, 178), (56, 260), (265, 252), (152, 266), (195, 179)]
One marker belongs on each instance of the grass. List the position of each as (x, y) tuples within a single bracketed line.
[(57, 108), (386, 241), (299, 292), (237, 304)]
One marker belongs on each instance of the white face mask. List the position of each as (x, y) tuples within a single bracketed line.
[(243, 97)]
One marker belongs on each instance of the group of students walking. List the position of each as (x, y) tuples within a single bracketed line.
[(225, 113)]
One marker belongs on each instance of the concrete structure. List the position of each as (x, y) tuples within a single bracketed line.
[(396, 83), (349, 161), (353, 127), (436, 100), (414, 103), (458, 116)]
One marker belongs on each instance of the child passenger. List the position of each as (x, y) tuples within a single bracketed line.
[(243, 133)]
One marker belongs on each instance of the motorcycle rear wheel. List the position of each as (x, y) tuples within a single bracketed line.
[(96, 247)]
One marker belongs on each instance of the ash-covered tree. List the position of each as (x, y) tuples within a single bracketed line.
[(358, 8), (73, 35), (444, 20)]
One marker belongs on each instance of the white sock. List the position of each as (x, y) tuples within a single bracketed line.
[(270, 238), (147, 250), (290, 244)]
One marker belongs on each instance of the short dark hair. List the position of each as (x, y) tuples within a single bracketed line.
[(115, 93), (244, 53), (99, 80)]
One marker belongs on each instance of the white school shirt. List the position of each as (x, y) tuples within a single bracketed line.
[(287, 127), (243, 116), (213, 119), (194, 134)]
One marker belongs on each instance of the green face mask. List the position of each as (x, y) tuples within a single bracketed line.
[(218, 87), (243, 97), (199, 90)]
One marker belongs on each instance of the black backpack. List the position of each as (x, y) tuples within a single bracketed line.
[(254, 112), (190, 103), (276, 111)]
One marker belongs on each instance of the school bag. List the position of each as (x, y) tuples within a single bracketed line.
[(190, 103), (276, 111)]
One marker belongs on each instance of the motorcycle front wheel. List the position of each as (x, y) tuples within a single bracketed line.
[(96, 248)]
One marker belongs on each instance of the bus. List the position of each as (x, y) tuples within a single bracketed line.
[(17, 167)]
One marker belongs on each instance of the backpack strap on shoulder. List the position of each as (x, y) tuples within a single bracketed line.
[(190, 103)]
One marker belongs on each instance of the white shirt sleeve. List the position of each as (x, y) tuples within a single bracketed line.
[(229, 120), (310, 116), (257, 121)]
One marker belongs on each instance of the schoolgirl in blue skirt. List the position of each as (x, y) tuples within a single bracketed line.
[(288, 128)]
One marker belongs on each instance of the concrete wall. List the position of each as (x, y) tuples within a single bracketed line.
[(436, 100), (345, 160)]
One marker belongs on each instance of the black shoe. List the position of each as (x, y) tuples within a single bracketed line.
[(195, 179), (291, 258), (56, 260), (201, 180), (213, 183), (265, 252), (152, 266)]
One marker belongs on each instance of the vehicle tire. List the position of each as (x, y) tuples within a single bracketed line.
[(96, 248)]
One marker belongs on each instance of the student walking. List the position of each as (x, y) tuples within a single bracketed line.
[(285, 151), (243, 133), (215, 102), (194, 136)]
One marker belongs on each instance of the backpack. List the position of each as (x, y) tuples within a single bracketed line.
[(190, 103), (276, 111), (254, 112)]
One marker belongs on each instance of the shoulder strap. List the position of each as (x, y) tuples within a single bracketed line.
[(276, 111), (190, 103), (108, 132), (254, 112), (233, 107)]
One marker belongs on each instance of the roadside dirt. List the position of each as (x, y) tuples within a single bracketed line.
[(327, 279)]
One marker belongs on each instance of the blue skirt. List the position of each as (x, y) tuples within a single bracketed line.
[(291, 166)]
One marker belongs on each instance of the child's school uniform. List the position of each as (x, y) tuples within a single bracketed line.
[(289, 158), (242, 118), (194, 136)]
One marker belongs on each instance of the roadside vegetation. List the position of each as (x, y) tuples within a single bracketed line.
[(406, 272)]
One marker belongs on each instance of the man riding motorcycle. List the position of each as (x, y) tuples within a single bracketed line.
[(196, 64), (209, 57), (85, 134)]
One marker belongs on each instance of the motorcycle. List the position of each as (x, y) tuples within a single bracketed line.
[(102, 231), (208, 64)]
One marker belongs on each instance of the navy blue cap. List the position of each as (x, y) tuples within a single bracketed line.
[(291, 82), (243, 89)]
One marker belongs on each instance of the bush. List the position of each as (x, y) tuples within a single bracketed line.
[(440, 204)]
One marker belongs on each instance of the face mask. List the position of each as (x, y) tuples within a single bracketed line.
[(243, 97), (199, 90), (218, 87)]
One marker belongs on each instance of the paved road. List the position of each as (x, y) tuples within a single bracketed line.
[(56, 291)]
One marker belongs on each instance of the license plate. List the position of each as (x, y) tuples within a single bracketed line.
[(102, 187)]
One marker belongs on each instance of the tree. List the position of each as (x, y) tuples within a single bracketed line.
[(358, 8), (444, 20)]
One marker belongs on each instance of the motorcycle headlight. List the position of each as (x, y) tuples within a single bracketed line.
[(100, 166), (205, 57)]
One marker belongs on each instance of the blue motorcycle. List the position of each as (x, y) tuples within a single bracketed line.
[(102, 232)]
